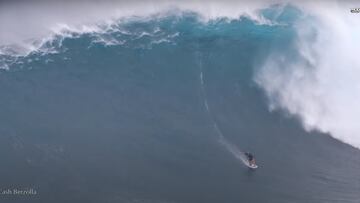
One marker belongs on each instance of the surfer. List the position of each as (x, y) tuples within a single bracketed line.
[(250, 158)]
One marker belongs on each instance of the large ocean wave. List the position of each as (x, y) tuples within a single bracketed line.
[(318, 81), (309, 70)]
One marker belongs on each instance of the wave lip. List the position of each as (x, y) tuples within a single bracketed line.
[(42, 21)]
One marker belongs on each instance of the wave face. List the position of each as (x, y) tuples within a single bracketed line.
[(142, 95), (319, 87)]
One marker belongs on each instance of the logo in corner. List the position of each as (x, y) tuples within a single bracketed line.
[(355, 10)]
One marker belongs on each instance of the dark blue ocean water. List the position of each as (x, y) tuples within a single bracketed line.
[(120, 117)]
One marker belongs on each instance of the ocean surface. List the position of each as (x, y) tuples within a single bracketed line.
[(159, 110)]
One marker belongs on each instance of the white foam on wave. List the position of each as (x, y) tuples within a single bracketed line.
[(27, 25), (322, 85)]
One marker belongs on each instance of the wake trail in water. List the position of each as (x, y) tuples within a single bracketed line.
[(234, 150)]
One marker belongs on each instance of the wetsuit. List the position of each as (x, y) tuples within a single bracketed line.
[(249, 156)]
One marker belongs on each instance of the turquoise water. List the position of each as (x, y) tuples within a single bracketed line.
[(119, 116)]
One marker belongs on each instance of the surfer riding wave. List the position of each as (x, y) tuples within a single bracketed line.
[(251, 159), (247, 158)]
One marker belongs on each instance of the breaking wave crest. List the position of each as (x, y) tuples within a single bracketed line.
[(317, 78)]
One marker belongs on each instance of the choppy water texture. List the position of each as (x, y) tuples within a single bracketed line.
[(156, 110)]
